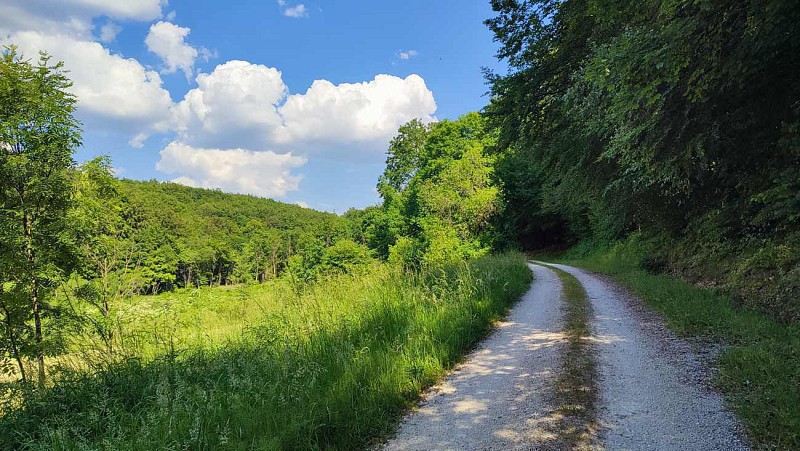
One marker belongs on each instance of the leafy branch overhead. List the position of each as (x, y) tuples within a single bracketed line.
[(675, 119)]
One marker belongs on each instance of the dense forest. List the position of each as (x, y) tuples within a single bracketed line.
[(677, 121), (211, 238)]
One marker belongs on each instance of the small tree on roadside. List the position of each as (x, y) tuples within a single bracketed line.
[(38, 136)]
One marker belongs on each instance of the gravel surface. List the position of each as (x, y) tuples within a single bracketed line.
[(654, 391), (499, 398)]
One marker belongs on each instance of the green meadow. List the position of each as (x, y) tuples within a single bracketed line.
[(330, 365)]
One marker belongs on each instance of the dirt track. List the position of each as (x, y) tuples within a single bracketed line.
[(653, 392)]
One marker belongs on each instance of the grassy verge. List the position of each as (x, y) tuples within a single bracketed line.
[(577, 381), (332, 367), (759, 372)]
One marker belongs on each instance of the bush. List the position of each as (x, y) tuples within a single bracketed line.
[(344, 255)]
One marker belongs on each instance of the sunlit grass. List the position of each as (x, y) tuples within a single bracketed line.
[(331, 366)]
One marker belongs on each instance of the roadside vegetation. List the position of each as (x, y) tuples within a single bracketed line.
[(677, 120), (759, 367), (331, 367)]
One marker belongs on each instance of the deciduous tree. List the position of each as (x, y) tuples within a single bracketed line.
[(38, 136)]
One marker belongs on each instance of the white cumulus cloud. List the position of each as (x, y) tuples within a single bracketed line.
[(168, 41), (355, 112), (266, 174), (241, 104), (112, 90), (234, 106), (230, 124)]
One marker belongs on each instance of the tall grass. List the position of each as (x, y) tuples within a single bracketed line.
[(760, 367), (332, 367)]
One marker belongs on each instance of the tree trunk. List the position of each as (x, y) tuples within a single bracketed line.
[(13, 340), (30, 254), (108, 330)]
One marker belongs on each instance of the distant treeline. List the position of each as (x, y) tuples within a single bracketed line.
[(676, 120), (191, 237)]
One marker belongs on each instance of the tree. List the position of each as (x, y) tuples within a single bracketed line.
[(16, 339), (159, 264), (261, 254), (438, 192), (343, 256), (109, 261), (675, 119), (38, 136), (404, 154)]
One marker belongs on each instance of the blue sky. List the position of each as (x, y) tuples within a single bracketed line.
[(219, 94)]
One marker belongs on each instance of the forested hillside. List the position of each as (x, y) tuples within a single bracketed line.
[(205, 237), (675, 120)]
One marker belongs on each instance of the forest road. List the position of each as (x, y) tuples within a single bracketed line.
[(654, 392)]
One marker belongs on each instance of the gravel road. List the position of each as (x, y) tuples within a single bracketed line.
[(654, 393), (498, 398)]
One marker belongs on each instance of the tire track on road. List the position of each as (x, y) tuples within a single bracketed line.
[(653, 392)]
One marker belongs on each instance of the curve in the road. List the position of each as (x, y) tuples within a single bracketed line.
[(653, 393)]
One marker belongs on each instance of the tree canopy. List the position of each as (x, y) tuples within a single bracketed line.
[(439, 193), (676, 119)]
